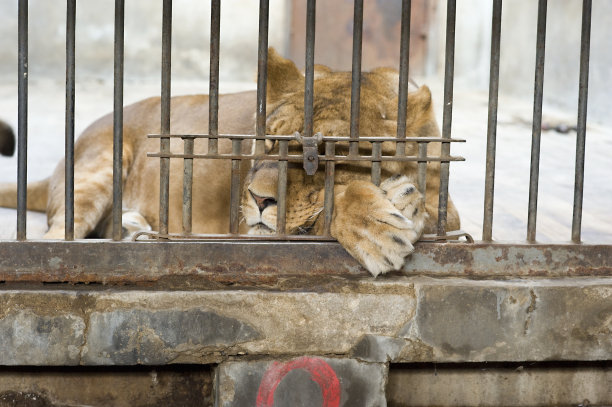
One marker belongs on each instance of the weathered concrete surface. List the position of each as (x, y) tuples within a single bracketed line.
[(302, 382), (400, 319), (178, 385), (513, 385)]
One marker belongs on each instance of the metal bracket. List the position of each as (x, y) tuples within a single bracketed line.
[(310, 149)]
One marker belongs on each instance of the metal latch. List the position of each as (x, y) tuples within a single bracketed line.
[(310, 149)]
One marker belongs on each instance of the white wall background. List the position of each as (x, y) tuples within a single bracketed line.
[(518, 48), (95, 33)]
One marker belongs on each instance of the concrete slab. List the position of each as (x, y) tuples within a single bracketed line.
[(408, 319), (305, 381)]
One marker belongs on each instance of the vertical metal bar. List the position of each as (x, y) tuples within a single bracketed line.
[(22, 126), (213, 89), (69, 148), (448, 113), (281, 195), (164, 168), (487, 223), (537, 122), (356, 77), (376, 154), (235, 188), (187, 185), (118, 121), (402, 100), (262, 75), (585, 46), (330, 173), (422, 168), (309, 67)]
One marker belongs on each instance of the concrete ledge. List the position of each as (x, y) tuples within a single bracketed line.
[(401, 320)]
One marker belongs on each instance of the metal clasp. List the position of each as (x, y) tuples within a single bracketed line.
[(310, 149)]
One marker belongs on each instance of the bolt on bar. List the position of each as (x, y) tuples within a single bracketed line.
[(537, 122), (213, 81), (402, 99), (262, 76), (487, 224), (356, 76), (585, 44), (22, 126), (118, 121), (164, 168), (451, 12), (69, 148)]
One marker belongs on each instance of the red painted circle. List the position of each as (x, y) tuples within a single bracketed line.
[(320, 372)]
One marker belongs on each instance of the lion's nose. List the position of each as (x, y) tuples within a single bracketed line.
[(262, 202)]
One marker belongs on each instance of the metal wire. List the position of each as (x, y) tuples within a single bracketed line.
[(448, 113), (164, 171), (537, 122), (487, 224), (262, 75), (356, 77), (585, 42), (22, 126), (118, 121), (402, 99)]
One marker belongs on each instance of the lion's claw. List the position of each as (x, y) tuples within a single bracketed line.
[(378, 225)]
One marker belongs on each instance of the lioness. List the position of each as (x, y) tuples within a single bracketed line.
[(377, 225)]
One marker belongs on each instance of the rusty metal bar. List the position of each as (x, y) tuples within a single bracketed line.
[(325, 138), (402, 99), (149, 262), (22, 125), (448, 113), (281, 195), (69, 123), (356, 76), (300, 158), (213, 81), (309, 67), (235, 189), (376, 157), (118, 121), (585, 42), (422, 168), (164, 165), (487, 223), (330, 173), (187, 185), (262, 75), (537, 122)]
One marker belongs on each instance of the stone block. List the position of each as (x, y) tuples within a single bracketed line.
[(305, 381)]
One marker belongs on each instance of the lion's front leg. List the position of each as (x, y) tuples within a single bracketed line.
[(378, 226)]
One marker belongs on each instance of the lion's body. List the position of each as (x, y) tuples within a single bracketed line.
[(376, 225)]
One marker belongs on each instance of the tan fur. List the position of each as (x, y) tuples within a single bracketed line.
[(376, 225)]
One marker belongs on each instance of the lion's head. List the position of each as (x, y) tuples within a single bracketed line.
[(332, 106)]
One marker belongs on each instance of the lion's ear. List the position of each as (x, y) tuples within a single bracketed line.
[(419, 101), (283, 76)]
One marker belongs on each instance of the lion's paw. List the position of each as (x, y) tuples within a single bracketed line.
[(377, 226)]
